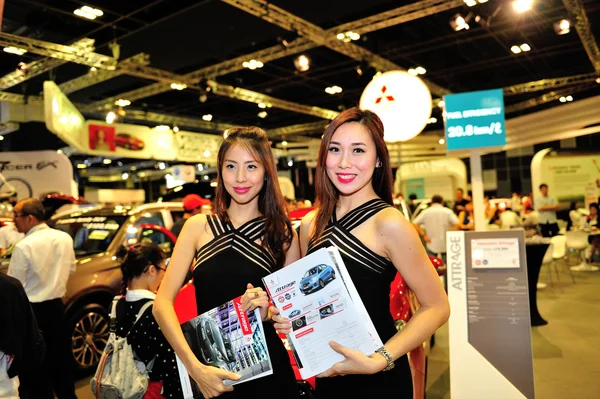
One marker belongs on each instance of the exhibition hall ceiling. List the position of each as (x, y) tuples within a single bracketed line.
[(501, 48)]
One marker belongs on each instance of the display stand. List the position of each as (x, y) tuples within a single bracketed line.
[(490, 330)]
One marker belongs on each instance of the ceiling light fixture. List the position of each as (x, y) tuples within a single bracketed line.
[(458, 22), (175, 128), (14, 50), (81, 166), (125, 176), (111, 117), (178, 86), (207, 117), (122, 103), (569, 98), (432, 120), (252, 64), (88, 12), (442, 141), (333, 90), (162, 128), (515, 49), (470, 3), (525, 47), (206, 153), (284, 143), (302, 63), (161, 166), (441, 104), (562, 27), (262, 114), (349, 36), (521, 6), (262, 105), (598, 81), (106, 161)]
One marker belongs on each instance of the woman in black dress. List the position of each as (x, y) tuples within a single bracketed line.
[(355, 213), (248, 238)]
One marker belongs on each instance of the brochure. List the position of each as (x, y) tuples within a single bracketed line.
[(318, 296), (228, 338)]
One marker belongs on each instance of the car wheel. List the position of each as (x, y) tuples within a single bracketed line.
[(333, 275), (88, 329), (321, 284)]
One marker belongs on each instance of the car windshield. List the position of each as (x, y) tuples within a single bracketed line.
[(91, 234), (311, 272)]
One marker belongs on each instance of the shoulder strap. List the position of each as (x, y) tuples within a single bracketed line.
[(351, 221), (214, 224), (140, 314), (113, 314)]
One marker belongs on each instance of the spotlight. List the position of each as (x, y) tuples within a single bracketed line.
[(290, 163), (302, 63), (525, 47), (178, 86), (470, 3), (106, 161), (252, 64), (515, 49), (359, 71), (125, 176), (441, 104), (521, 6), (562, 27), (562, 99), (21, 66), (161, 166), (110, 117), (262, 105), (14, 50), (203, 97), (333, 90), (122, 103), (458, 22), (284, 143), (206, 153), (162, 128), (175, 128), (442, 141), (207, 117), (598, 81), (262, 114)]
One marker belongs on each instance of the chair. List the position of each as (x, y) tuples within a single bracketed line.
[(578, 240), (547, 261), (562, 226), (559, 244)]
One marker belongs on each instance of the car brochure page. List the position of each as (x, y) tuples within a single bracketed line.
[(313, 294), (228, 338)]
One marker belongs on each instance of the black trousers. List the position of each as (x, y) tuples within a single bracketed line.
[(549, 229), (56, 374)]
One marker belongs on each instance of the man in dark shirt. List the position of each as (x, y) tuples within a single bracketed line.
[(461, 201), (192, 205)]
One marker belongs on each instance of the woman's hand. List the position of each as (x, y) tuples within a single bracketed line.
[(256, 298), (282, 325), (355, 362), (210, 380)]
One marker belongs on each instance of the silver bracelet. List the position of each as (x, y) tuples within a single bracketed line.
[(388, 358)]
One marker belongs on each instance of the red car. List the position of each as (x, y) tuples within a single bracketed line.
[(129, 142)]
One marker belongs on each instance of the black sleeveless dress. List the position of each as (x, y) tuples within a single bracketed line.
[(372, 275), (222, 269)]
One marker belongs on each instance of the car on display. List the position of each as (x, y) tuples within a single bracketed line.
[(101, 236), (200, 187), (316, 278), (127, 141), (215, 348)]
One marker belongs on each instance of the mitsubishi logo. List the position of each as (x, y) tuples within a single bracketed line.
[(389, 98)]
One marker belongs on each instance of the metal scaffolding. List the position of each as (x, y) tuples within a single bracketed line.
[(554, 83), (547, 97), (582, 25)]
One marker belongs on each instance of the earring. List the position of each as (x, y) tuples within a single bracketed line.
[(378, 164)]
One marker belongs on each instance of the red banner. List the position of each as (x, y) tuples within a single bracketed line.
[(242, 317)]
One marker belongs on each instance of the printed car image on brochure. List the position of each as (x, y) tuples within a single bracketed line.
[(316, 278), (335, 314), (228, 338)]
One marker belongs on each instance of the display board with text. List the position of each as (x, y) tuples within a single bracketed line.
[(490, 327), (474, 120)]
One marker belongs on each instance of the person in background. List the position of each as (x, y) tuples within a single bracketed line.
[(547, 207), (412, 198), (530, 217), (290, 204), (460, 201), (592, 222), (22, 345), (574, 217), (515, 202), (509, 218), (9, 236), (192, 205), (355, 213), (248, 238), (466, 219), (437, 220), (143, 270), (42, 261)]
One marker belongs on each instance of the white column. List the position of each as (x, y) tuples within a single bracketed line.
[(477, 190)]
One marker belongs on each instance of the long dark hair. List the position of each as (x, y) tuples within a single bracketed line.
[(326, 193), (278, 229), (138, 259)]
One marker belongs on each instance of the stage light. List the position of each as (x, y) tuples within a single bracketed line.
[(302, 63), (207, 117), (122, 103), (442, 141), (262, 114), (178, 86), (521, 6), (458, 22), (14, 50), (562, 27), (515, 49), (111, 117), (525, 47)]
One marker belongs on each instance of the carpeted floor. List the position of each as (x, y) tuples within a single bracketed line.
[(566, 351)]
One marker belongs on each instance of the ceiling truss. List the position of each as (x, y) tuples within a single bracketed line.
[(582, 25)]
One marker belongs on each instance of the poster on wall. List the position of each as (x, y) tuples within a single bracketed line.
[(570, 176), (32, 173)]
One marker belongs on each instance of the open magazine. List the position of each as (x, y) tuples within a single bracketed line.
[(228, 338), (318, 296)]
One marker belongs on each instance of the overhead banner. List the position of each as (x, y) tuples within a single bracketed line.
[(474, 120), (32, 173), (490, 325), (95, 137)]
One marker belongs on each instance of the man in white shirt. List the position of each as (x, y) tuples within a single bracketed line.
[(437, 220), (43, 261), (508, 219), (9, 236), (547, 207)]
